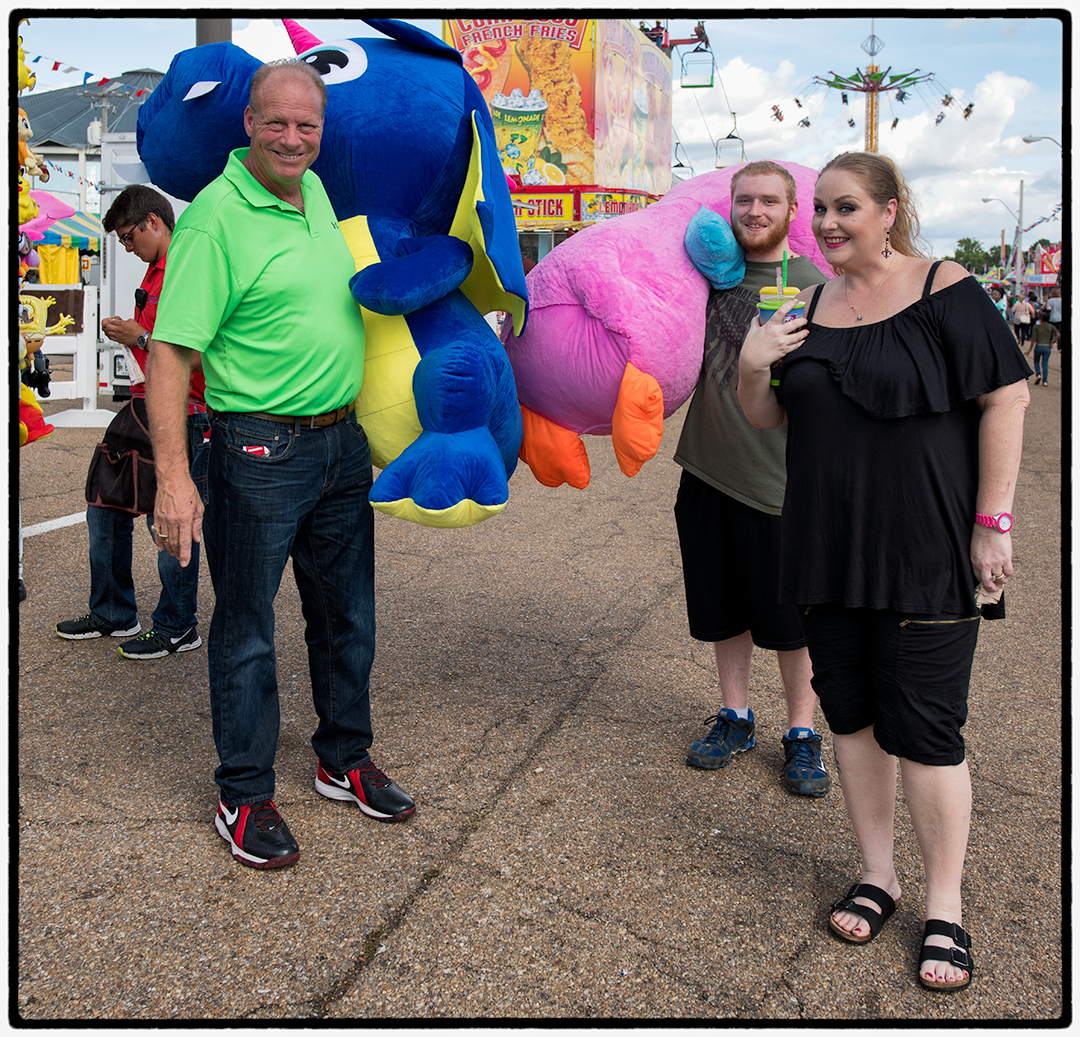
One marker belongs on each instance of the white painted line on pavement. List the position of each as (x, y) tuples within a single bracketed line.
[(46, 527)]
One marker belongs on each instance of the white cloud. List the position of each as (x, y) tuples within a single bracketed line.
[(265, 39), (950, 166)]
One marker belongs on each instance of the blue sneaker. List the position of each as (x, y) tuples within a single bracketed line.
[(729, 737), (803, 771)]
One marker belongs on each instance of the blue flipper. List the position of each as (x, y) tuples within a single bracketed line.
[(423, 271), (444, 479)]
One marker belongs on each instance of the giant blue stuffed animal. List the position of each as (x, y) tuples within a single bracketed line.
[(409, 161)]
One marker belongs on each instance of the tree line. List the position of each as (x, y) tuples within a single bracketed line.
[(971, 254)]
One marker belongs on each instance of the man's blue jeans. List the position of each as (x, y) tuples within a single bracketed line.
[(112, 589), (277, 490)]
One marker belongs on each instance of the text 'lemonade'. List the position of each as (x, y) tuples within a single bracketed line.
[(518, 122)]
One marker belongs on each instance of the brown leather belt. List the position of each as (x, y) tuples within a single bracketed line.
[(331, 417)]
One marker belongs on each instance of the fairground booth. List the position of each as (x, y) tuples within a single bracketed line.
[(582, 115)]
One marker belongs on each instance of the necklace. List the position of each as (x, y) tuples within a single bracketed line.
[(859, 316)]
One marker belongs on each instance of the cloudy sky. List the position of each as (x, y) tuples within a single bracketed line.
[(1010, 67)]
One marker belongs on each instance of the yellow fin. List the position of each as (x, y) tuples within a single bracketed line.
[(385, 407), (464, 513)]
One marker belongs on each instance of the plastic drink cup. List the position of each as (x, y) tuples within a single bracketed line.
[(517, 131), (770, 300)]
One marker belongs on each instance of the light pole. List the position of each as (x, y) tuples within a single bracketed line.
[(1007, 209), (1030, 139), (1018, 257)]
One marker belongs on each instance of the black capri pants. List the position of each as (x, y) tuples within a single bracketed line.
[(906, 676)]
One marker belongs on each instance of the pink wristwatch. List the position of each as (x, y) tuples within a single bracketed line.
[(1002, 523)]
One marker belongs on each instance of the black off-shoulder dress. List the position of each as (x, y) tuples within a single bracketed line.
[(883, 453)]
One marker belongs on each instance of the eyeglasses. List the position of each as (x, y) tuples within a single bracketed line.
[(125, 239)]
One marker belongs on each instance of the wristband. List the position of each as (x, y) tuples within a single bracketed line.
[(1002, 523)]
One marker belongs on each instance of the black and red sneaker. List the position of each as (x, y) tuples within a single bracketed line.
[(366, 786), (257, 834)]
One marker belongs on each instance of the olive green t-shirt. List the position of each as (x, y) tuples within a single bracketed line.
[(261, 290), (718, 444), (1043, 333)]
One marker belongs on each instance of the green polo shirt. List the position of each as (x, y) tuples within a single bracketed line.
[(261, 290)]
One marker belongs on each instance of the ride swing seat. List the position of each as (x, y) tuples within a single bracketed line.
[(698, 69), (730, 151)]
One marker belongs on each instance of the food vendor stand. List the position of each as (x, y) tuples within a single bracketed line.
[(582, 115)]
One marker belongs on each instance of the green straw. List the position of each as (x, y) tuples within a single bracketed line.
[(785, 268)]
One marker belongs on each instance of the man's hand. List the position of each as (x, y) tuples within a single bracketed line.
[(177, 510), (126, 332), (178, 515)]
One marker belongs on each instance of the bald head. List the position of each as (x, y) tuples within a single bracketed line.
[(299, 71)]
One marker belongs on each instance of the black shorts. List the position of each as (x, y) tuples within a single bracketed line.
[(906, 676), (731, 569)]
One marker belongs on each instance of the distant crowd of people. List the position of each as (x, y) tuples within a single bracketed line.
[(1037, 324)]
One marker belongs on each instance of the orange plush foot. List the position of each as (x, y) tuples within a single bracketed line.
[(638, 421), (555, 454)]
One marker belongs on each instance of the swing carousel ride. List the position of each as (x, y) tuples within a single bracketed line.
[(884, 91)]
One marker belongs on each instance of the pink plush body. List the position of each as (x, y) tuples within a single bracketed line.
[(626, 291)]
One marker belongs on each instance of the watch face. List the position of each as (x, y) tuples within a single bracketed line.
[(1004, 522)]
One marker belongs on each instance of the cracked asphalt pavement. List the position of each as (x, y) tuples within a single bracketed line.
[(535, 690)]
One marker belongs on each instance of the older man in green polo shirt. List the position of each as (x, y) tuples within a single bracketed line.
[(258, 273)]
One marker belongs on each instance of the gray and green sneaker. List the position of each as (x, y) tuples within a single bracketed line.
[(156, 645)]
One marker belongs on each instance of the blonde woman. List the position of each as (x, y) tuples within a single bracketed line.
[(904, 395)]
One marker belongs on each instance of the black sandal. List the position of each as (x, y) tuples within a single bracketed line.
[(960, 955), (872, 918)]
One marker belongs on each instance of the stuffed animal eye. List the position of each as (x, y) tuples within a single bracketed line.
[(337, 62)]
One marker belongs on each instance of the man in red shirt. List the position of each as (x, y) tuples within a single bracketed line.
[(143, 222)]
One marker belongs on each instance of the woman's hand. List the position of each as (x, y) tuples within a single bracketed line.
[(991, 555), (763, 346), (1001, 438), (767, 343)]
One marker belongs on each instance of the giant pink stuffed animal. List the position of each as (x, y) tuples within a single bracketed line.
[(616, 329)]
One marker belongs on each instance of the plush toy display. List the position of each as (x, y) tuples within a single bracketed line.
[(408, 159), (27, 79), (617, 323), (32, 424), (28, 208), (29, 163)]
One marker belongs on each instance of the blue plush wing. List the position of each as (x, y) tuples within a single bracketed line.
[(485, 218), (712, 248)]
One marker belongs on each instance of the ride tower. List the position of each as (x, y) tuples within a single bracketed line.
[(872, 82)]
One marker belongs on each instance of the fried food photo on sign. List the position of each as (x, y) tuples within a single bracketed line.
[(548, 65)]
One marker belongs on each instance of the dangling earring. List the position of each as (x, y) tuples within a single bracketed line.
[(886, 251)]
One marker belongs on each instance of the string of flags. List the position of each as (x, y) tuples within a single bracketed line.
[(1053, 216), (57, 66), (72, 176)]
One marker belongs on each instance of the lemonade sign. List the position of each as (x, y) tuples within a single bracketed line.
[(518, 121)]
